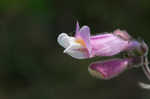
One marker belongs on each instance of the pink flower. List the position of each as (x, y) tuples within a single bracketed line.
[(113, 67), (83, 45), (109, 68)]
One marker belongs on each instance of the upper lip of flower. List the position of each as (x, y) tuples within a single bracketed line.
[(83, 37)]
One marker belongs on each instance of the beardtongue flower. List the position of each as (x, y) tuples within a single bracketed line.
[(108, 69), (83, 45), (113, 67)]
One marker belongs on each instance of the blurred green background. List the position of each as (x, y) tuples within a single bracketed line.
[(32, 64)]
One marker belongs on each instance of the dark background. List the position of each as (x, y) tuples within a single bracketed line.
[(32, 64)]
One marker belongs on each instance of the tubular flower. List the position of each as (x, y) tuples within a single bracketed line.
[(113, 67), (83, 45), (109, 68)]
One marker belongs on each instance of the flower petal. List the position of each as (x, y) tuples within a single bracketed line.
[(76, 50), (78, 54), (63, 39), (109, 68), (73, 46), (84, 34)]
